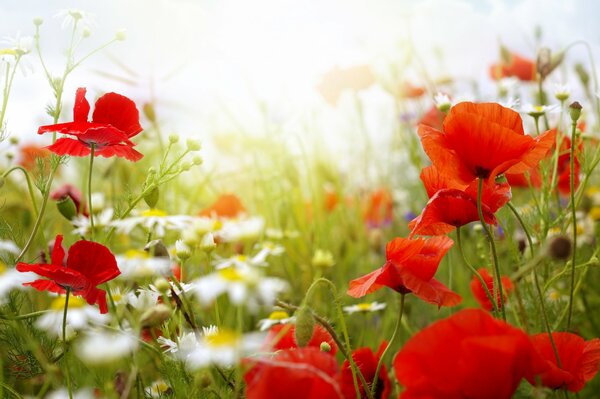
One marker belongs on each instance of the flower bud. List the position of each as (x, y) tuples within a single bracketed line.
[(305, 324), (575, 111), (197, 160), (322, 259), (325, 347), (182, 251), (193, 145), (121, 35), (155, 316), (173, 138), (152, 197), (162, 285), (37, 21), (559, 247), (66, 207), (207, 244), (185, 166), (593, 262), (157, 249), (86, 32), (149, 112), (14, 140)]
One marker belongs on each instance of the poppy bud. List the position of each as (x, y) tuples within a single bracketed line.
[(155, 316), (157, 249), (149, 112), (305, 324), (325, 347), (162, 285), (544, 62), (152, 197), (67, 207), (575, 110), (559, 248), (37, 21)]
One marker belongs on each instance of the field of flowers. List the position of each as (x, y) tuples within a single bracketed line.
[(453, 255)]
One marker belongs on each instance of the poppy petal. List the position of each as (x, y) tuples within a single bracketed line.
[(94, 261), (118, 111), (81, 109), (58, 252), (67, 146)]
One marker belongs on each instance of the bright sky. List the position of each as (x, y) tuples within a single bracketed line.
[(204, 57)]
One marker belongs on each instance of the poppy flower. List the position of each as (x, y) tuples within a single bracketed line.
[(379, 208), (480, 294), (410, 267), (433, 118), (115, 120), (564, 166), (532, 178), (452, 205), (30, 153), (88, 265), (226, 206), (366, 361), (408, 90), (483, 141), (514, 65), (303, 373), (579, 360), (467, 355), (283, 336), (70, 191)]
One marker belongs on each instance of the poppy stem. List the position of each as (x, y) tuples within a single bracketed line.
[(92, 150), (385, 351), (574, 220), (498, 285), (518, 217), (475, 272), (65, 345)]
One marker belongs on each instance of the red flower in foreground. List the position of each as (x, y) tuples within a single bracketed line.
[(115, 120), (304, 373), (226, 206), (579, 360), (514, 65), (89, 264), (282, 336), (452, 206), (467, 355), (366, 361), (483, 141), (410, 267), (433, 118), (479, 292)]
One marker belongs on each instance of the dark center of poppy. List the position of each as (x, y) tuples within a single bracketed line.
[(482, 172)]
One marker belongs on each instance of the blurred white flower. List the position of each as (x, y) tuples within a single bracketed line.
[(9, 246), (364, 307), (538, 110), (243, 286), (101, 221), (63, 393), (79, 316), (158, 389), (562, 91), (73, 15), (144, 299), (276, 317), (240, 230), (266, 249), (135, 264), (154, 220), (103, 347), (19, 44), (12, 279)]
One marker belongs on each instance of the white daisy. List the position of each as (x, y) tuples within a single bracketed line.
[(73, 15), (276, 317), (101, 222), (12, 279), (364, 307), (145, 299), (154, 220), (240, 230), (136, 264), (9, 246), (80, 315), (103, 347)]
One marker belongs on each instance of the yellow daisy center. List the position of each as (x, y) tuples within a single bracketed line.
[(154, 212), (223, 338), (278, 315), (74, 302)]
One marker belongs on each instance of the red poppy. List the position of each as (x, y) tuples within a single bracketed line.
[(564, 166), (479, 292), (70, 191), (452, 204), (532, 178), (282, 336), (467, 355), (226, 206), (579, 360), (410, 267), (304, 373), (408, 90), (366, 361), (115, 120), (515, 65), (483, 141), (433, 118), (379, 209), (30, 153), (89, 264)]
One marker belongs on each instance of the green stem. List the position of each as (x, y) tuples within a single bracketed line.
[(389, 345), (475, 272), (29, 185), (529, 239), (65, 345), (574, 221), (498, 286), (92, 150)]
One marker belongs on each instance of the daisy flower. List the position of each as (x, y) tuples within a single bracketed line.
[(103, 347), (136, 264), (364, 307), (144, 299), (240, 230), (158, 389), (101, 221), (12, 279), (242, 285), (153, 220), (72, 15), (276, 317), (79, 316)]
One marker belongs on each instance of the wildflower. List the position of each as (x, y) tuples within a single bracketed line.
[(226, 206), (564, 166), (30, 154), (243, 286), (366, 361), (153, 220), (240, 230), (579, 360), (276, 317), (483, 141), (334, 82), (364, 307), (182, 251), (11, 279), (70, 192), (239, 262), (283, 336), (409, 90), (433, 118), (103, 347), (79, 317), (266, 249), (9, 246), (562, 92), (480, 294), (469, 354), (442, 102), (82, 223), (115, 120), (89, 264), (410, 267), (513, 64), (537, 111), (136, 264), (75, 16), (379, 209), (293, 374), (158, 389), (323, 259), (145, 299)]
